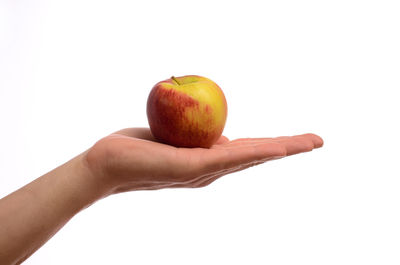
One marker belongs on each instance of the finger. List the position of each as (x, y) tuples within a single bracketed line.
[(292, 145), (141, 133), (295, 145), (219, 159), (306, 139), (317, 140), (241, 141)]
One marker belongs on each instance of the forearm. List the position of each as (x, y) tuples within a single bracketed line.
[(33, 214)]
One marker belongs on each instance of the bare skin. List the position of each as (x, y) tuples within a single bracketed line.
[(127, 160)]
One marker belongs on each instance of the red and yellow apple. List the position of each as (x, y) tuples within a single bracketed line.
[(187, 111)]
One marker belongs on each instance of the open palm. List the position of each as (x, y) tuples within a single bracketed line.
[(131, 159)]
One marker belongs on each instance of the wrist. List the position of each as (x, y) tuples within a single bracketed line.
[(80, 183), (95, 184), (98, 161)]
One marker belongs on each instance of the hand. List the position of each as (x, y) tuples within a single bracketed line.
[(126, 160), (131, 159)]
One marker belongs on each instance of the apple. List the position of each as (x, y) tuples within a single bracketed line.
[(187, 111)]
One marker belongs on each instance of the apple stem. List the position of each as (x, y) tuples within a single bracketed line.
[(173, 78)]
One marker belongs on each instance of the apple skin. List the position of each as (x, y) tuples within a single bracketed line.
[(187, 111)]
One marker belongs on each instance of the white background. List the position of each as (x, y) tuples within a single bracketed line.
[(72, 72)]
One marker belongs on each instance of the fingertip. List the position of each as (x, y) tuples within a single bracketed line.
[(320, 142), (316, 140)]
